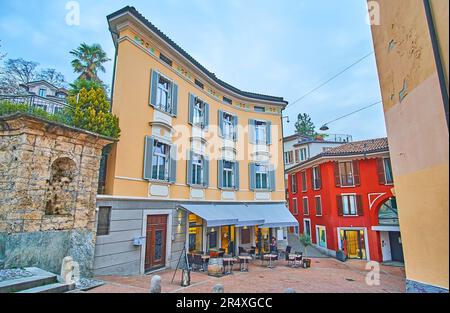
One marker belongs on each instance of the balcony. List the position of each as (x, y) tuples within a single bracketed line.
[(51, 106)]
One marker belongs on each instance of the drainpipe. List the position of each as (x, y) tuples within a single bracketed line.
[(437, 58)]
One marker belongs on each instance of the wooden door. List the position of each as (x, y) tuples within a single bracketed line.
[(155, 252)]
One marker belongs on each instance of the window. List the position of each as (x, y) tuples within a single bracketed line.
[(304, 182), (160, 162), (321, 233), (317, 181), (388, 171), (319, 206), (42, 92), (295, 206), (165, 59), (199, 84), (388, 214), (262, 176), (163, 98), (104, 221), (260, 109), (228, 175), (294, 183), (228, 126), (261, 132), (199, 112), (297, 156), (195, 233), (197, 169), (212, 238), (349, 205), (245, 236), (305, 206), (227, 100), (303, 155), (346, 174), (288, 157)]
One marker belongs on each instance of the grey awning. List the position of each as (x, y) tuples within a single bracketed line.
[(267, 215)]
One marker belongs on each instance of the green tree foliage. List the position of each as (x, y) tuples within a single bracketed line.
[(90, 110), (306, 241), (89, 59), (79, 84), (305, 126)]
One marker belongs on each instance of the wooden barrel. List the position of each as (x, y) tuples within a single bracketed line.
[(215, 267)]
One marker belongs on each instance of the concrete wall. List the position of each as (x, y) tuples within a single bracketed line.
[(414, 108)]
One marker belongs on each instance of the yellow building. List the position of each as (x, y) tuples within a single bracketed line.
[(199, 164), (411, 46)]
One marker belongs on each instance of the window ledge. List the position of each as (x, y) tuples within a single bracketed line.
[(198, 186), (163, 125), (159, 182)]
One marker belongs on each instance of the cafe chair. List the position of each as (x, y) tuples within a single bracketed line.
[(198, 263)]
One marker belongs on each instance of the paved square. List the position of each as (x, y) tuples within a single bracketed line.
[(326, 275)]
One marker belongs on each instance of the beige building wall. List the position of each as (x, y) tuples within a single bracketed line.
[(418, 134)]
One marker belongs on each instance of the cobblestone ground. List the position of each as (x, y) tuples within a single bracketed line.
[(325, 276)]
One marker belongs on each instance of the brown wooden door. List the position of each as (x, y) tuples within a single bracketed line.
[(155, 252)]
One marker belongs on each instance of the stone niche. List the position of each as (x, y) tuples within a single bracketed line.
[(48, 188)]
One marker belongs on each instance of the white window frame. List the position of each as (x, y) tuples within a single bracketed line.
[(318, 227), (44, 94), (321, 205), (310, 226), (303, 154), (315, 177), (159, 156), (165, 107), (261, 132), (353, 175), (355, 202), (295, 206), (226, 171), (307, 206), (199, 113), (366, 238), (262, 173), (385, 172), (198, 162), (228, 126)]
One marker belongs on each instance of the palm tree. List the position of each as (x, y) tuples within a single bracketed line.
[(89, 59)]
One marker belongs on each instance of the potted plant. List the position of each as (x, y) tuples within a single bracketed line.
[(306, 242)]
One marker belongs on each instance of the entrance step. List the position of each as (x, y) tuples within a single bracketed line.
[(51, 288), (39, 278)]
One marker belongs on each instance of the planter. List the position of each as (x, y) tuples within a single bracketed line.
[(306, 263), (340, 255), (215, 267)]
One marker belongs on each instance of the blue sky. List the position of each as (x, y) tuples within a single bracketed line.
[(282, 48)]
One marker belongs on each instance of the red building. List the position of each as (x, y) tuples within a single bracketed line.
[(344, 200)]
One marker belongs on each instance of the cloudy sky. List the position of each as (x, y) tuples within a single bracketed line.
[(282, 48)]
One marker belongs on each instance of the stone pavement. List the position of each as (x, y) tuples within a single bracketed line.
[(297, 246), (325, 276)]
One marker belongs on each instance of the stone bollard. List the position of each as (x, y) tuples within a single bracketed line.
[(218, 289), (289, 290), (67, 270), (155, 284)]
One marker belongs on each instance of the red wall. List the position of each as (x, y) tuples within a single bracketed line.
[(330, 218)]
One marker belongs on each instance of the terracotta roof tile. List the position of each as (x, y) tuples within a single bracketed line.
[(357, 147)]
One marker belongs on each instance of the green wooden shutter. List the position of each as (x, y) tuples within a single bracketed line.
[(252, 174), (235, 124), (154, 79), (236, 175), (189, 167), (174, 99), (272, 178), (206, 116), (205, 171), (173, 164), (220, 119), (251, 131), (148, 157), (220, 174), (269, 132), (191, 108)]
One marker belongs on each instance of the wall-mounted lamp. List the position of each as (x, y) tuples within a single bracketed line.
[(287, 119), (324, 128)]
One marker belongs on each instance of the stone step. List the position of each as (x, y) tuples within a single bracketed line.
[(39, 278), (51, 288)]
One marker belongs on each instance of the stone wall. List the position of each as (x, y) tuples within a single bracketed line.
[(48, 188)]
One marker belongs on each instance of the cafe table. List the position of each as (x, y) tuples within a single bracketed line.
[(244, 264), (270, 258)]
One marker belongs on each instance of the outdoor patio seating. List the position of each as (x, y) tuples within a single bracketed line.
[(198, 263), (228, 263)]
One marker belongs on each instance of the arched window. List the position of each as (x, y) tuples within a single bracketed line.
[(61, 192), (388, 214)]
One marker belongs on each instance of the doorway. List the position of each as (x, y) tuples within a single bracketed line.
[(395, 240), (155, 251), (353, 242)]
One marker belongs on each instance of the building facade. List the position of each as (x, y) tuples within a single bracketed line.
[(199, 165), (343, 199), (411, 47)]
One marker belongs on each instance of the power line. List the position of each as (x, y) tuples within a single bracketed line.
[(331, 79), (354, 112)]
